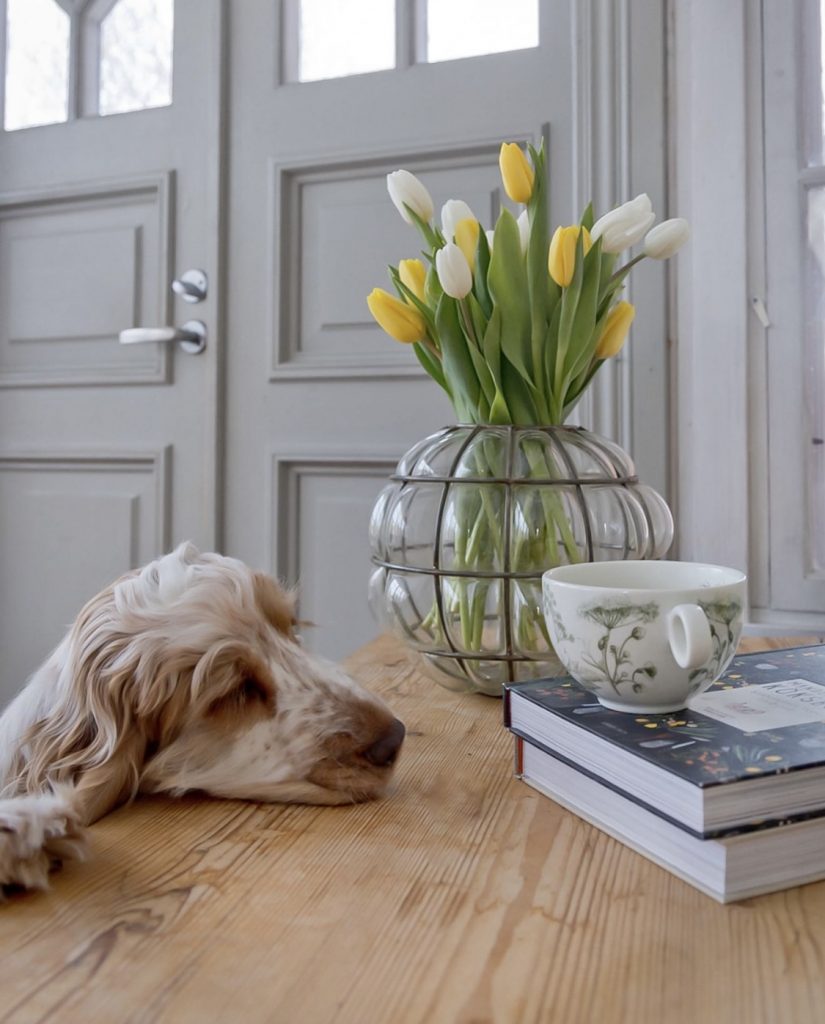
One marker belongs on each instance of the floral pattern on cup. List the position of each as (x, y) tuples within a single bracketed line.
[(623, 624), (721, 617), (562, 636)]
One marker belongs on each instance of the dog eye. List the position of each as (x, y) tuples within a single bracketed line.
[(250, 694), (252, 690)]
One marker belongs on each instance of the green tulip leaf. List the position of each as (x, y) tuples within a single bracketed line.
[(478, 320), (519, 399), (507, 282), (491, 346), (537, 275), (432, 366), (457, 363), (483, 374), (482, 267), (569, 305), (553, 296), (551, 343), (432, 287), (499, 413), (583, 337)]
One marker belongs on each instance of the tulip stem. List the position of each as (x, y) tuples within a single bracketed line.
[(431, 347), (468, 322), (622, 271)]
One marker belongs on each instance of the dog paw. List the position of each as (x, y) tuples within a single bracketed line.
[(37, 833)]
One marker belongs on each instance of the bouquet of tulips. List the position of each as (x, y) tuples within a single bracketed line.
[(513, 324)]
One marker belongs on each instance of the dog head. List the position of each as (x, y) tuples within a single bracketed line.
[(188, 675)]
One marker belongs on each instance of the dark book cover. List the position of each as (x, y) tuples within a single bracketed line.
[(765, 716)]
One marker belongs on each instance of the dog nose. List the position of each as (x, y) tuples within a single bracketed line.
[(384, 751)]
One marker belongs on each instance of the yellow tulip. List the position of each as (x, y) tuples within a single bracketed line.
[(400, 321), (413, 274), (561, 259), (615, 330), (516, 172), (466, 238)]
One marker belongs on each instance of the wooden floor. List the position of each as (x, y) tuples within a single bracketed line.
[(463, 897)]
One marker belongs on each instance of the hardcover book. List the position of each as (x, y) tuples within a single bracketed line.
[(748, 752), (733, 867)]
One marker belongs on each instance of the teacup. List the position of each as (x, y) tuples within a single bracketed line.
[(644, 637)]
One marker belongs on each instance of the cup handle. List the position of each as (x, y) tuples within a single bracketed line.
[(688, 632)]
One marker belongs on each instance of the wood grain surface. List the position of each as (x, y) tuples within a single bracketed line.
[(464, 896)]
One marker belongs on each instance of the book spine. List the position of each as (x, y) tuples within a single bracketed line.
[(519, 757), (506, 707)]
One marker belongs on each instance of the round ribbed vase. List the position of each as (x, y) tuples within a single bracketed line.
[(472, 518)]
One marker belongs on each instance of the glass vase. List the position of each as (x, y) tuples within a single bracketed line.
[(471, 519)]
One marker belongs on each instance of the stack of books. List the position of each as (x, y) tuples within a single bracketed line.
[(729, 794)]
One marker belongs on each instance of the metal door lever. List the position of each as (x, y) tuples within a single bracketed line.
[(191, 336)]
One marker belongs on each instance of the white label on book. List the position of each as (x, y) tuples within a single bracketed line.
[(766, 706)]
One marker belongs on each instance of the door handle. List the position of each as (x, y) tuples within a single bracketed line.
[(191, 336)]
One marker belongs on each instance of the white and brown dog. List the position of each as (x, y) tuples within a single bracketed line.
[(185, 675)]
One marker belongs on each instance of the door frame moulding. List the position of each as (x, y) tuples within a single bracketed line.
[(619, 148)]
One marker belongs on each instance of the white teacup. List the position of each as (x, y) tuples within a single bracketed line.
[(644, 636)]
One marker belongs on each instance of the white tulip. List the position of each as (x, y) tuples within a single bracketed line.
[(453, 271), (490, 238), (624, 226), (523, 230), (453, 211), (666, 238), (405, 189)]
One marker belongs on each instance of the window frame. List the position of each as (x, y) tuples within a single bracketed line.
[(83, 89), (410, 41)]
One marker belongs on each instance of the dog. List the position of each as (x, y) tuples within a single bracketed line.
[(185, 675)]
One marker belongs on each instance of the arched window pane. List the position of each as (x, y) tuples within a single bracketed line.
[(349, 38), (37, 63), (470, 28), (136, 41)]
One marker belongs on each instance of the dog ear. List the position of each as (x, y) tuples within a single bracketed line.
[(115, 699), (91, 747), (103, 786), (276, 604)]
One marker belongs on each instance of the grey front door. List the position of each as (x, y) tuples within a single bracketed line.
[(109, 190)]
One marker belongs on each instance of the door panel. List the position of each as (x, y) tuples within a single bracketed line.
[(318, 509), (77, 519), (108, 452), (332, 232), (100, 258)]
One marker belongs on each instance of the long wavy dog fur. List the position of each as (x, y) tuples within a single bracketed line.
[(185, 675)]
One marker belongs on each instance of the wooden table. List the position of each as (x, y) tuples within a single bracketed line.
[(464, 896)]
